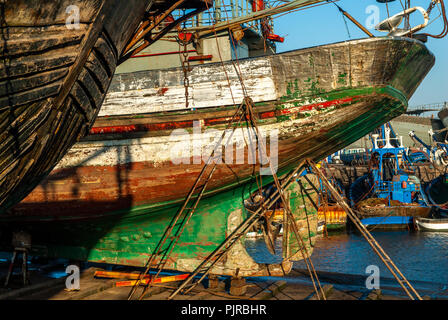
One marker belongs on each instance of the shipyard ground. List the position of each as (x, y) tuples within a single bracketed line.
[(295, 286)]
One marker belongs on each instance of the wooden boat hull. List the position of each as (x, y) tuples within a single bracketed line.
[(331, 218), (331, 227), (111, 196), (53, 79), (393, 217), (394, 211)]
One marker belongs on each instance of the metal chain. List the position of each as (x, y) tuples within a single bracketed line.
[(186, 68), (185, 62), (431, 6)]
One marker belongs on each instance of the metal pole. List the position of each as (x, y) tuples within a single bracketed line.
[(217, 11), (250, 16)]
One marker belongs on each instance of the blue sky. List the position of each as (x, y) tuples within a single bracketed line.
[(324, 24)]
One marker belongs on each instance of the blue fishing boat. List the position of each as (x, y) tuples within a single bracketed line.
[(389, 195), (388, 222)]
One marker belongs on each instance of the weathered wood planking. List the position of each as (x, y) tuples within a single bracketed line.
[(53, 80)]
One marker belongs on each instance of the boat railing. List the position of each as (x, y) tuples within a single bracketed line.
[(222, 11), (424, 109)]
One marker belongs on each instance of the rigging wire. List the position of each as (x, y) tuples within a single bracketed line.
[(302, 247), (251, 119), (442, 9), (341, 11), (346, 26)]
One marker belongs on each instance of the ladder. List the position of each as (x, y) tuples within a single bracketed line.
[(205, 267), (208, 263), (166, 244), (173, 232), (164, 248), (401, 279)]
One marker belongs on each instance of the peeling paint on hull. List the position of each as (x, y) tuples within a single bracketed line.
[(141, 169), (111, 196)]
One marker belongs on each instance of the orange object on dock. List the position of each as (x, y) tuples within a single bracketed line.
[(116, 275), (131, 283)]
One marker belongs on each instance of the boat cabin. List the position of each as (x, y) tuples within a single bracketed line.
[(390, 180)]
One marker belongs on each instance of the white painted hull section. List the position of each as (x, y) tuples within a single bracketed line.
[(180, 145), (208, 88)]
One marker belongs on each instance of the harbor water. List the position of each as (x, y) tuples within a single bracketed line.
[(340, 259), (421, 256)]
